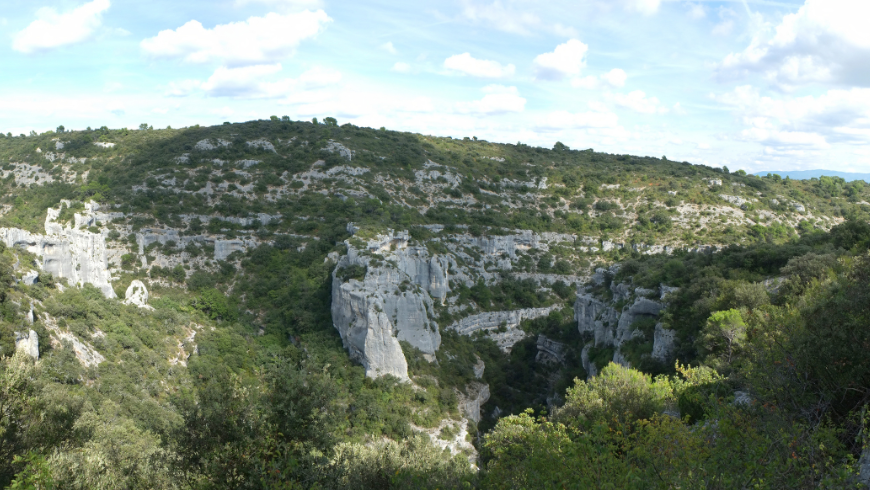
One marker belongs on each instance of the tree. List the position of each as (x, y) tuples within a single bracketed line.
[(559, 146), (314, 121), (330, 121), (60, 129), (143, 126), (722, 337)]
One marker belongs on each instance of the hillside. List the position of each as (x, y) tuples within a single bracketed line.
[(282, 304)]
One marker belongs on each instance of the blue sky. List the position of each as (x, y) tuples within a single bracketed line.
[(758, 85)]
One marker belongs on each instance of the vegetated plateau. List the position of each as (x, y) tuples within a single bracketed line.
[(280, 304)]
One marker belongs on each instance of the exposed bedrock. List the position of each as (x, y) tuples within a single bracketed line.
[(66, 252), (391, 302), (550, 351), (603, 326), (501, 326), (28, 342)]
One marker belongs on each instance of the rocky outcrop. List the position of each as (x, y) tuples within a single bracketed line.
[(596, 319), (663, 343), (501, 326), (550, 351), (602, 326), (84, 352), (390, 303), (476, 394), (27, 342), (136, 295), (641, 308), (66, 252)]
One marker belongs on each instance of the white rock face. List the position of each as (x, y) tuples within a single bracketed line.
[(391, 303), (66, 252), (29, 278), (27, 342), (336, 147), (470, 402), (84, 352), (603, 326), (502, 326), (261, 143), (136, 294)]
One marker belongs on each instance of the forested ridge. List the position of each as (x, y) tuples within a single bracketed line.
[(234, 374)]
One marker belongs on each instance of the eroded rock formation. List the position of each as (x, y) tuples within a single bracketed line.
[(66, 251)]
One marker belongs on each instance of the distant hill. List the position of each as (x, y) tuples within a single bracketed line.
[(809, 174)]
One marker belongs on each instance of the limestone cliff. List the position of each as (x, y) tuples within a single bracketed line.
[(390, 302), (66, 251), (603, 326)]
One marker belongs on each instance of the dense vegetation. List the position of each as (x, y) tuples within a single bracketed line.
[(238, 379)]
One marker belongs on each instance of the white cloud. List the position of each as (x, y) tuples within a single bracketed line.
[(501, 17), (284, 4), (465, 63), (696, 11), (388, 47), (52, 30), (564, 31), (615, 77), (723, 28), (566, 60), (498, 100), (703, 146), (182, 88), (561, 120), (645, 7), (837, 116), (400, 67), (253, 82), (588, 82), (639, 102), (825, 41), (256, 41)]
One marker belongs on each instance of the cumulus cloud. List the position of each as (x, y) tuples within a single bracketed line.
[(52, 29), (400, 67), (465, 63), (837, 116), (182, 88), (825, 41), (498, 100), (388, 47), (615, 77), (565, 120), (284, 4), (501, 17), (645, 7), (696, 11), (566, 60), (639, 102), (253, 82), (256, 41)]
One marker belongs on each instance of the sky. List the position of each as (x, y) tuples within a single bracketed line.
[(749, 84)]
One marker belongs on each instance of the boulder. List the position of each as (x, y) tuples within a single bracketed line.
[(136, 294)]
